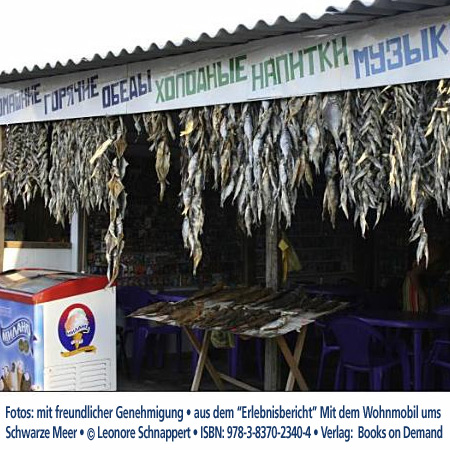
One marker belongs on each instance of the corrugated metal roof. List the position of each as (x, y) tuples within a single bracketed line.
[(357, 11)]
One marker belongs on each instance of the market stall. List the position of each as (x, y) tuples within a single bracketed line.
[(354, 115)]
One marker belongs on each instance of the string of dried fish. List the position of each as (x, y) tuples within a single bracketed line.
[(117, 199), (160, 129), (24, 165)]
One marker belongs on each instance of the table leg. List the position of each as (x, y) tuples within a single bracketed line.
[(297, 353), (293, 365), (417, 344), (203, 360)]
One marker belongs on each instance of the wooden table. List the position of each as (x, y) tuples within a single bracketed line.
[(292, 360)]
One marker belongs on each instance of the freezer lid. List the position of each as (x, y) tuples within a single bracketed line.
[(43, 285)]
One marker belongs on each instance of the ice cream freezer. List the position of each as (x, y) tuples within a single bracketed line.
[(57, 331)]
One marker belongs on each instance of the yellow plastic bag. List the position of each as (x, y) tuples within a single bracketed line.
[(289, 257)]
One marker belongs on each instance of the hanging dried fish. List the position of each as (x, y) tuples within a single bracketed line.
[(160, 130), (79, 167), (117, 199), (24, 165), (193, 168)]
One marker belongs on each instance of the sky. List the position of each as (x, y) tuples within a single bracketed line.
[(46, 31)]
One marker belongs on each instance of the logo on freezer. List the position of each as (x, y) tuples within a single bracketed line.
[(76, 330), (20, 328)]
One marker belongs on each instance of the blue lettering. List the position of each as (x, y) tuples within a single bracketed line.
[(46, 96), (412, 55), (35, 93), (55, 101), (396, 52), (115, 99), (133, 88), (93, 86), (70, 96), (149, 80), (361, 57), (381, 59), (425, 44), (436, 42), (123, 91), (143, 88), (106, 96)]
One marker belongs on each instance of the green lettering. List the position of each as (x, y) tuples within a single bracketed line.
[(178, 78), (269, 69), (170, 88), (256, 77), (310, 52), (323, 56), (240, 68), (340, 51), (293, 66), (224, 78), (278, 59), (231, 65), (211, 76), (201, 80), (190, 82), (159, 87)]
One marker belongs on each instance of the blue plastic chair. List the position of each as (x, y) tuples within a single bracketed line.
[(351, 293), (438, 358), (329, 346), (131, 298), (363, 349)]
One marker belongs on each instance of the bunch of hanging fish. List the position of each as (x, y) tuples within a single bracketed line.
[(80, 167), (75, 183), (196, 140), (159, 128), (87, 169), (376, 147), (24, 163)]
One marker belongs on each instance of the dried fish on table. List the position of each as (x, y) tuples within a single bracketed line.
[(159, 308), (254, 322)]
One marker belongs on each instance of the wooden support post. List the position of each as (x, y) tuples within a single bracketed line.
[(271, 366), (2, 210), (82, 241)]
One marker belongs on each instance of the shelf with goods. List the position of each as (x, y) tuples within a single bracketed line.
[(391, 249), (325, 253), (154, 257)]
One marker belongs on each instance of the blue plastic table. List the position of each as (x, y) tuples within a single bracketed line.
[(416, 322)]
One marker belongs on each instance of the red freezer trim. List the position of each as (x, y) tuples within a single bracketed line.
[(64, 290), (21, 297), (70, 288)]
